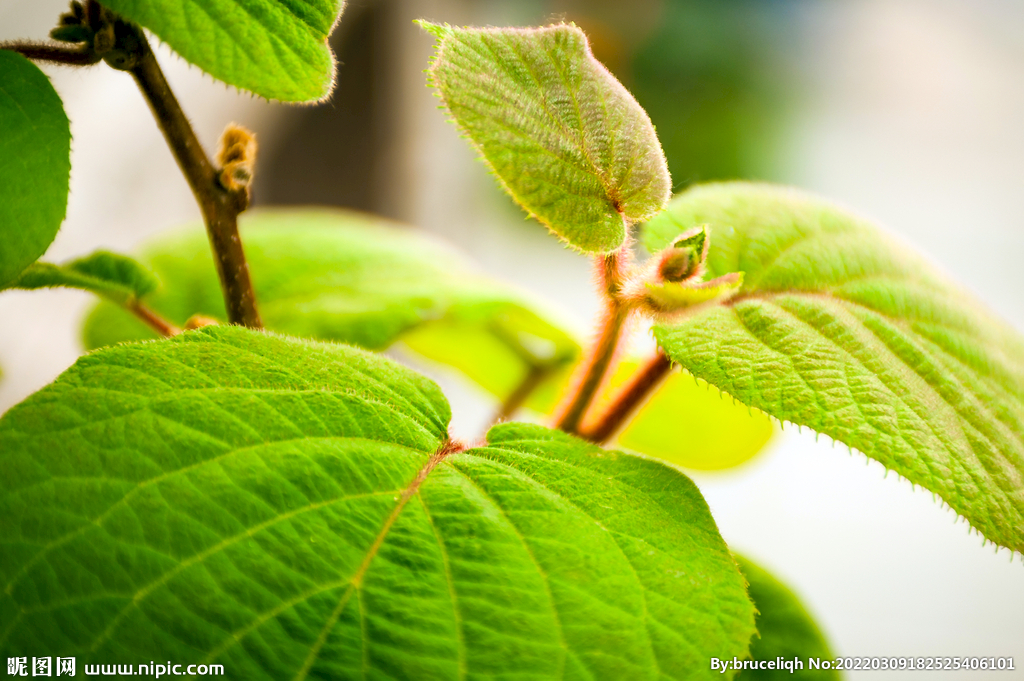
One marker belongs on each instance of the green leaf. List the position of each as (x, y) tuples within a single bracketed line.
[(564, 138), (116, 277), (274, 48), (785, 630), (35, 164), (842, 329), (343, 276), (294, 510)]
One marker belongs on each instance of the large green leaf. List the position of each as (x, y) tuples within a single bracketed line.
[(560, 133), (344, 276), (839, 328), (35, 164), (274, 48), (113, 276), (295, 510), (785, 630)]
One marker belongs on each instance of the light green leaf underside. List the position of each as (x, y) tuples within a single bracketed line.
[(839, 328), (785, 630), (288, 510), (35, 164), (115, 277), (343, 276), (274, 48), (560, 133)]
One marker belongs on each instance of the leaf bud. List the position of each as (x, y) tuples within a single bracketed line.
[(236, 157), (686, 257), (73, 26)]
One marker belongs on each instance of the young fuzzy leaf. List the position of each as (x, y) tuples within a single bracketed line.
[(672, 296), (115, 277), (784, 630), (35, 164), (274, 48), (343, 276), (294, 510), (564, 138), (841, 329)]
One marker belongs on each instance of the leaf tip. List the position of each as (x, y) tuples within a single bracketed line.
[(439, 31)]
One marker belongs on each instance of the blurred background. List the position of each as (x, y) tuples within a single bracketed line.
[(908, 111)]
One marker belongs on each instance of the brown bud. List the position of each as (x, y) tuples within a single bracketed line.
[(236, 157)]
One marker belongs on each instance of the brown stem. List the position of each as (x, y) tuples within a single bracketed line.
[(53, 53), (592, 369), (515, 400), (629, 398), (153, 320), (219, 206)]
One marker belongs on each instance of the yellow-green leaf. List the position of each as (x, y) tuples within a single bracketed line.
[(564, 138)]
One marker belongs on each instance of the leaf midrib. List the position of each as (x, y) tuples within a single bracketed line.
[(578, 138), (354, 582)]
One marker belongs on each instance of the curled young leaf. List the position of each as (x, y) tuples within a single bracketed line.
[(35, 164), (685, 258), (295, 510), (274, 48), (564, 138), (839, 328), (671, 297), (116, 277)]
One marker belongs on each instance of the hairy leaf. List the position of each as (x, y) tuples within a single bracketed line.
[(35, 164), (116, 277), (295, 510), (671, 296), (336, 275), (274, 48), (560, 133), (839, 328), (784, 630)]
